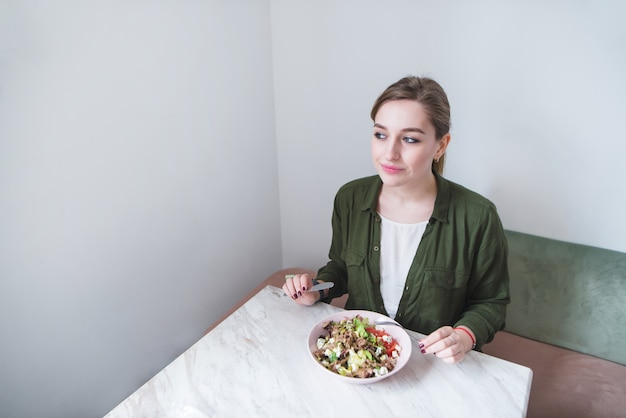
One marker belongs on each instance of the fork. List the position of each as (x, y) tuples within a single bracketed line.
[(394, 323)]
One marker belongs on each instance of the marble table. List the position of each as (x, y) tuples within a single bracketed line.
[(256, 363)]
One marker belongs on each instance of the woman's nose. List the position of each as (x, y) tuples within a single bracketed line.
[(392, 152)]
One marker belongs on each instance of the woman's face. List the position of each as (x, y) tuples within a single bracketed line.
[(404, 144)]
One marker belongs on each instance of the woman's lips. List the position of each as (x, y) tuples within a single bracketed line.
[(390, 169)]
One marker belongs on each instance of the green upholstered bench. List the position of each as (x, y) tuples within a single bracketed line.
[(567, 322)]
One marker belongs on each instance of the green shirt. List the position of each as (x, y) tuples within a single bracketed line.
[(459, 275)]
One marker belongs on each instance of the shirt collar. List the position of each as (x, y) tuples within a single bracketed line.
[(442, 202), (370, 199)]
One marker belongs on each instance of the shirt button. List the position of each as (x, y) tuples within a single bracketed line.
[(382, 307), (406, 288), (375, 247)]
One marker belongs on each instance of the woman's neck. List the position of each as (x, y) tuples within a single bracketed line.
[(408, 203)]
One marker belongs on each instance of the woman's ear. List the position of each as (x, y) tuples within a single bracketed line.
[(443, 145)]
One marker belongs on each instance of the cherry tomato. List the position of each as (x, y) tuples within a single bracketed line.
[(389, 346)]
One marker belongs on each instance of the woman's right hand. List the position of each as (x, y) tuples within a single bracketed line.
[(295, 287)]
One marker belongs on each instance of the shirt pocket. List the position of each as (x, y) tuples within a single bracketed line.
[(447, 279), (356, 272), (353, 259), (444, 295)]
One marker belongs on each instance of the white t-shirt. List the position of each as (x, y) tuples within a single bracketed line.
[(398, 245)]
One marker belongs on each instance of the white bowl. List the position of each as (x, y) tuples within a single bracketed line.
[(398, 334)]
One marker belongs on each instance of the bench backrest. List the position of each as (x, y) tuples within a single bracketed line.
[(569, 295)]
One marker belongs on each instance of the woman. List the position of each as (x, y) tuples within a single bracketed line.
[(410, 244)]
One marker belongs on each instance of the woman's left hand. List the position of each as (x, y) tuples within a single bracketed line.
[(448, 344)]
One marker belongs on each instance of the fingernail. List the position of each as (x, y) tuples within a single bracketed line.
[(299, 293), (423, 351), (421, 345), (295, 296), (304, 288)]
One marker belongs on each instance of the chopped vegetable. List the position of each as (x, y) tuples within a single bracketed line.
[(355, 348)]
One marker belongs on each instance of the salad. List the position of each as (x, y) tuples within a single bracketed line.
[(354, 348)]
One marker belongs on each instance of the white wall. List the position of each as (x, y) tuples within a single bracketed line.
[(138, 189), (537, 94)]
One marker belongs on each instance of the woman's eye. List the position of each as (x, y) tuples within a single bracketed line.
[(411, 140), (379, 135)]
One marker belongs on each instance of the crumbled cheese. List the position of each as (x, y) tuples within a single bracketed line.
[(320, 343), (380, 371)]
